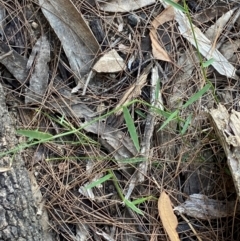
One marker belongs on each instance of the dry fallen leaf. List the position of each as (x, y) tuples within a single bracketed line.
[(205, 46), (76, 37), (38, 82), (135, 89), (124, 5), (201, 207), (169, 220), (158, 51), (111, 62)]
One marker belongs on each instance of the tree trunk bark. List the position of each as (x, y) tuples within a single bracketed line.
[(17, 211)]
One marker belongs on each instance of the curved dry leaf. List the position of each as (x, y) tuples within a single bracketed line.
[(221, 64), (76, 37), (157, 49), (201, 207), (124, 5), (169, 220), (135, 89), (111, 62)]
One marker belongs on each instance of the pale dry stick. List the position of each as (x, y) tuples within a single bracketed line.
[(3, 56), (235, 210), (87, 82), (190, 225), (155, 181), (178, 164), (162, 72), (145, 152), (214, 43), (105, 235)]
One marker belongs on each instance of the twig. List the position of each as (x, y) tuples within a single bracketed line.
[(3, 56), (87, 82), (190, 225), (141, 172)]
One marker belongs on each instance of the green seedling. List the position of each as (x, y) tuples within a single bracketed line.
[(99, 181), (191, 100), (197, 95), (35, 135), (172, 117), (175, 5), (131, 127), (128, 203), (140, 113), (142, 200), (186, 124), (208, 63)]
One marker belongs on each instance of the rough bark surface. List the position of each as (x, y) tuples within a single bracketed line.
[(17, 211)]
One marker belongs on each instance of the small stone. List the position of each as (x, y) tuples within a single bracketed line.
[(34, 25), (133, 20)]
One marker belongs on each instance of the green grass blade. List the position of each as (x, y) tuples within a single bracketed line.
[(140, 113), (170, 118), (208, 63), (132, 206), (197, 95), (34, 134), (160, 112), (99, 181), (131, 127), (186, 124), (141, 200), (175, 5)]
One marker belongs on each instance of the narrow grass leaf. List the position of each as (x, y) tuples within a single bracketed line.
[(140, 113), (208, 63), (141, 200), (197, 95), (170, 118), (227, 171), (62, 119), (131, 127), (132, 206), (186, 124), (175, 5), (99, 181), (160, 112), (35, 134)]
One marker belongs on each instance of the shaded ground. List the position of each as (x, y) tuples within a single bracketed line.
[(92, 137)]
